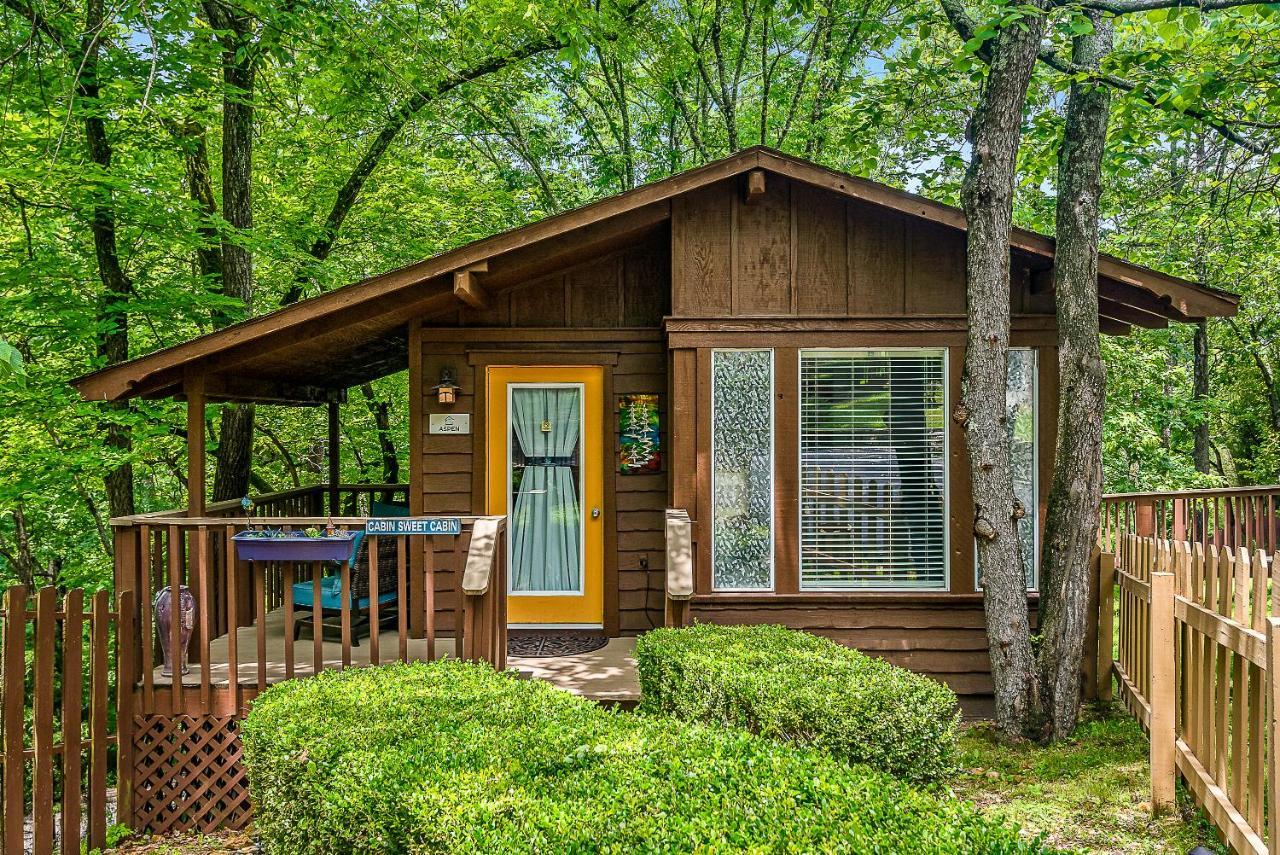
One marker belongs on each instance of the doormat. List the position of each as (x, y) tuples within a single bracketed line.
[(543, 646)]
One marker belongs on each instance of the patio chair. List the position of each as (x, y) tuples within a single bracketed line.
[(331, 592)]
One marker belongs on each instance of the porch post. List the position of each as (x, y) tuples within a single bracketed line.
[(1144, 522), (193, 386), (335, 459), (421, 578)]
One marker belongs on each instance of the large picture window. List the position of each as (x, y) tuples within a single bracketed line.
[(873, 471), (742, 470)]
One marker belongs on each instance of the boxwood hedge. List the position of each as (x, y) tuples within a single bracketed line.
[(795, 686), (453, 757)]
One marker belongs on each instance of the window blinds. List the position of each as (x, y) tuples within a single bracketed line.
[(873, 469)]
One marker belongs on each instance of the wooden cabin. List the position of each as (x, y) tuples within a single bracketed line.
[(723, 396)]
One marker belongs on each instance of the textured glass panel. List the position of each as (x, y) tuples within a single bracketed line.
[(742, 469), (1020, 402), (873, 469), (1020, 399)]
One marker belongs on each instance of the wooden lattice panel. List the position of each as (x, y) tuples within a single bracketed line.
[(187, 774)]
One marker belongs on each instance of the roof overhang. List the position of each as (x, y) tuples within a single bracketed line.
[(312, 351)]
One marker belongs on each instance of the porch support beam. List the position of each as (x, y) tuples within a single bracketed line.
[(1130, 315), (261, 391), (422, 583), (1138, 298), (468, 289), (194, 387), (1110, 326), (335, 458)]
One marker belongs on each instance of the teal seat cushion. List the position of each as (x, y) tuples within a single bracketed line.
[(388, 509), (331, 595), (331, 587)]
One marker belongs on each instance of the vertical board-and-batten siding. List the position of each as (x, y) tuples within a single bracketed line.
[(805, 253), (608, 312)]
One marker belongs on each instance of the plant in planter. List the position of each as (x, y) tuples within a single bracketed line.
[(311, 544)]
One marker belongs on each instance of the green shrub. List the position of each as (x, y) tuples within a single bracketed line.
[(795, 686), (453, 757)]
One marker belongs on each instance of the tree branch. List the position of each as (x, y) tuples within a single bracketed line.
[(41, 24), (1126, 7), (965, 28), (350, 190), (1220, 126)]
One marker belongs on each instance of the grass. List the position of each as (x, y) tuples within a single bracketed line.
[(1090, 792)]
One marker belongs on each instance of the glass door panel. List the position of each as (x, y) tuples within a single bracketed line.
[(545, 488)]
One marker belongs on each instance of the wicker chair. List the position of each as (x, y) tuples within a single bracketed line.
[(331, 592)]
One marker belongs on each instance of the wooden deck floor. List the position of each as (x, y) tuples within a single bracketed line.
[(607, 675)]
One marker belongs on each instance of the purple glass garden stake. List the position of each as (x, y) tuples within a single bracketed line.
[(164, 617)]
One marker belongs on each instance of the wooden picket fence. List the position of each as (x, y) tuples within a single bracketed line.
[(1198, 663), (57, 693)]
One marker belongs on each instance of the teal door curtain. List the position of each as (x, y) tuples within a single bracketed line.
[(545, 524)]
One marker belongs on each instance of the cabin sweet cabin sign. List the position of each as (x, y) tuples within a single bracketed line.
[(414, 525)]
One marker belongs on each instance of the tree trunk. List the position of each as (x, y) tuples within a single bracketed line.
[(199, 177), (381, 412), (1071, 523), (1200, 393), (239, 59), (987, 195), (235, 457), (113, 311)]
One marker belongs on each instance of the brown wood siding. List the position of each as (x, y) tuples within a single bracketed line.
[(944, 638), (804, 251), (626, 288)]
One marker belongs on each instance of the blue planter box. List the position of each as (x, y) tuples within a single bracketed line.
[(295, 547)]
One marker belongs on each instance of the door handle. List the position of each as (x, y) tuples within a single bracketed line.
[(595, 513)]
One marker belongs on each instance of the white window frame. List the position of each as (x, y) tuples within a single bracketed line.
[(1034, 511), (945, 587), (773, 480), (582, 510)]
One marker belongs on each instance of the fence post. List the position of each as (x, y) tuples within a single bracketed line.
[(126, 670), (1106, 622), (1163, 712), (1273, 733)]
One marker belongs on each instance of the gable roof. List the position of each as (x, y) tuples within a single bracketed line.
[(315, 349)]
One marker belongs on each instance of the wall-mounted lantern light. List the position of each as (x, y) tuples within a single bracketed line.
[(446, 390)]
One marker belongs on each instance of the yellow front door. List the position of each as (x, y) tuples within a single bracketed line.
[(545, 459)]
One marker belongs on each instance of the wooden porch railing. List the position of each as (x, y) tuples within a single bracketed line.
[(352, 500), (1229, 517), (1198, 664), (679, 588), (232, 594), (249, 633)]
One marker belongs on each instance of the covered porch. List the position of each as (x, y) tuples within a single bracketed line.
[(251, 623)]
